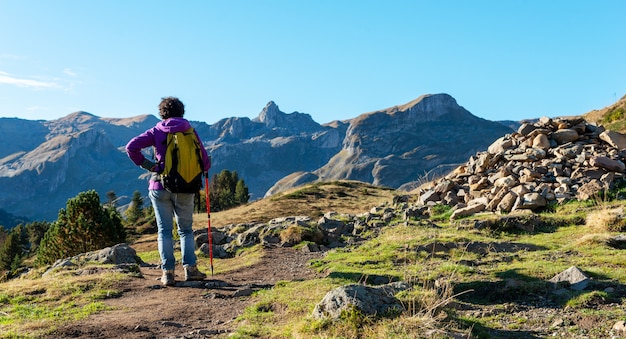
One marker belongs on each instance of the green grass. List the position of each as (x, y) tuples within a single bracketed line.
[(490, 267), (32, 306), (287, 300), (493, 269), (150, 256)]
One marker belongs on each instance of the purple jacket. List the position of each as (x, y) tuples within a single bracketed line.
[(157, 137)]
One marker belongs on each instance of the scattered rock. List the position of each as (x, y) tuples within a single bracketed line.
[(614, 139), (375, 301), (618, 241), (573, 276), (122, 255), (118, 254)]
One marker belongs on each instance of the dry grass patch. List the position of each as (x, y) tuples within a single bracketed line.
[(295, 234), (606, 220), (593, 239)]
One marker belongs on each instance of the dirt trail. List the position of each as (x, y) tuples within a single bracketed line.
[(146, 310)]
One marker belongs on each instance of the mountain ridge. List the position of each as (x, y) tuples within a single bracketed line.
[(380, 145), (60, 158)]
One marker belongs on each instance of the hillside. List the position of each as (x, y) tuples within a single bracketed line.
[(487, 275), (613, 117), (312, 200)]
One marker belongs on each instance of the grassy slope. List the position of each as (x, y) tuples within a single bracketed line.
[(312, 200), (612, 117), (498, 272), (33, 304), (494, 271)]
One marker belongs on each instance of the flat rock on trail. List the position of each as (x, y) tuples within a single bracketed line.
[(189, 309)]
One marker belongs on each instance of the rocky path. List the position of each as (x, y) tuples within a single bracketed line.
[(146, 310)]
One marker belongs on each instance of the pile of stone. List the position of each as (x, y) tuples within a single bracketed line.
[(552, 160)]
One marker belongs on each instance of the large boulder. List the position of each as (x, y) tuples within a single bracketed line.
[(371, 301)]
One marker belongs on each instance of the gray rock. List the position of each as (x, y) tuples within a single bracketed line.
[(591, 190), (574, 277), (467, 211), (564, 136), (429, 196), (500, 145), (118, 254), (530, 201), (526, 129), (372, 301), (218, 251), (615, 139), (607, 163)]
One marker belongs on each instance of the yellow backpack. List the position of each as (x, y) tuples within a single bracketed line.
[(183, 163)]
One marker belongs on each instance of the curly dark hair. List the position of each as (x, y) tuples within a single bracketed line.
[(171, 107)]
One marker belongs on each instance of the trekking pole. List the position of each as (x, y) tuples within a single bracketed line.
[(208, 212)]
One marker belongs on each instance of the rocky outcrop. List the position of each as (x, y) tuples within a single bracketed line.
[(553, 160), (37, 183), (122, 257)]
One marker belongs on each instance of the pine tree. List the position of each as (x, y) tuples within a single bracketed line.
[(16, 263), (227, 191), (135, 210), (241, 193), (9, 250), (3, 235), (36, 231), (83, 226)]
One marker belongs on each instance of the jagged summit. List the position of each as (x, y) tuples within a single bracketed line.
[(273, 118), (269, 114)]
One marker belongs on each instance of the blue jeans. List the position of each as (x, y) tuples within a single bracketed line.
[(166, 207)]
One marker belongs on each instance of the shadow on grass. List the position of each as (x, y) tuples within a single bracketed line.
[(481, 331), (526, 224), (512, 288), (524, 289)]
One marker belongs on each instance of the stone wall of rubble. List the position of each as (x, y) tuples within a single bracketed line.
[(552, 160)]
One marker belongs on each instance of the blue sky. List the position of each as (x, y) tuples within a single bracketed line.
[(332, 59)]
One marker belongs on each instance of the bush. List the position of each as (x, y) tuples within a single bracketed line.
[(83, 226)]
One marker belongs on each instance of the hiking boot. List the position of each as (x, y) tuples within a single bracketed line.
[(167, 279), (192, 273)]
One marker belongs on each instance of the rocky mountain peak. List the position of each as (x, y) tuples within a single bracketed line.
[(295, 122), (79, 117), (269, 115), (428, 107)]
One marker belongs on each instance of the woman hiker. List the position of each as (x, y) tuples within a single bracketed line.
[(169, 205)]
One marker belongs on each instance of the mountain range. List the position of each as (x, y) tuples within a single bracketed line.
[(44, 163)]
